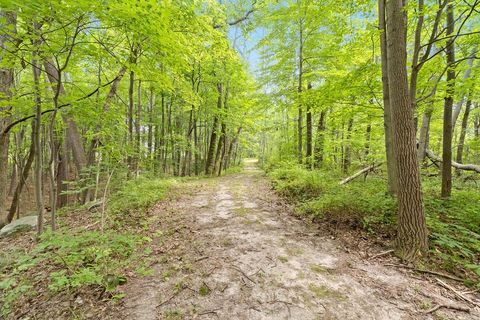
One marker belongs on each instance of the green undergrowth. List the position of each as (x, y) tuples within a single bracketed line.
[(75, 257), (454, 224)]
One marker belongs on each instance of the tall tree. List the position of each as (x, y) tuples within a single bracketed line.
[(412, 237)]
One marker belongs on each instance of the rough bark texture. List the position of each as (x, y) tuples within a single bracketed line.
[(412, 230), (6, 82), (447, 108), (387, 113)]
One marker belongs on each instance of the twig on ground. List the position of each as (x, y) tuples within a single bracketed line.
[(381, 254), (425, 271), (170, 298), (201, 258), (458, 294), (244, 274), (448, 306)]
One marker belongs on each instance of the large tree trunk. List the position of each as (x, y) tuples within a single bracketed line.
[(387, 108), (447, 109), (463, 133), (6, 82), (412, 237), (73, 136)]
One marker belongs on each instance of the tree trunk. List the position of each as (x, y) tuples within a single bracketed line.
[(23, 179), (412, 237), (424, 134), (6, 82), (463, 132), (37, 140), (138, 134), (447, 109), (320, 139), (308, 150), (347, 157), (300, 89), (210, 163), (387, 108)]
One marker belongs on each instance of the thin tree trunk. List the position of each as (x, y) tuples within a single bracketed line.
[(412, 237), (424, 135), (23, 179), (138, 134), (37, 140), (309, 133), (447, 109), (300, 89), (463, 133), (320, 139), (210, 164), (347, 158)]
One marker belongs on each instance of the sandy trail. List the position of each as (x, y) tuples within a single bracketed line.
[(234, 252)]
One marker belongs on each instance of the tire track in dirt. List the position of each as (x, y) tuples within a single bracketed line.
[(236, 253)]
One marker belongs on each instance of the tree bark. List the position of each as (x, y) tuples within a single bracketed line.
[(308, 151), (210, 163), (6, 83), (23, 179), (320, 139), (463, 133), (424, 134), (300, 89), (37, 139), (447, 108), (387, 108), (412, 237)]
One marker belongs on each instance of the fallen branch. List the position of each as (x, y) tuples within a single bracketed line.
[(458, 294), (448, 306), (381, 254), (444, 275), (359, 173), (461, 166)]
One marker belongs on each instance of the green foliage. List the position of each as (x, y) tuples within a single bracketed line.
[(137, 195), (76, 257), (453, 223)]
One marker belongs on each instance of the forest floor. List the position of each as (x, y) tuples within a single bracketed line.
[(229, 248)]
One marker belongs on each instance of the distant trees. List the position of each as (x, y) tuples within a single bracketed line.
[(375, 93), (88, 121)]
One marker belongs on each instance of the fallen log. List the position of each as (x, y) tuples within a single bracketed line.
[(359, 173), (461, 166)]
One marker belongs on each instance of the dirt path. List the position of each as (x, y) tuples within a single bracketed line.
[(228, 249)]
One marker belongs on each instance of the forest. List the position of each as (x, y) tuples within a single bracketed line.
[(242, 159)]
